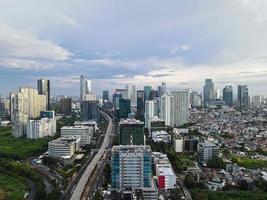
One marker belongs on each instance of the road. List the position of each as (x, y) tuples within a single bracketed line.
[(77, 193), (184, 189)]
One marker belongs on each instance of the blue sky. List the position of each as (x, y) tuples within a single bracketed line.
[(116, 42)]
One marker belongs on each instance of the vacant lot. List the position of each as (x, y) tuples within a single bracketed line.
[(19, 148), (11, 188)]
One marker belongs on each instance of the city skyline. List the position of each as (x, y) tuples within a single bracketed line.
[(182, 44)]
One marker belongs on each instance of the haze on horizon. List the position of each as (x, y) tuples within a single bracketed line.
[(114, 43)]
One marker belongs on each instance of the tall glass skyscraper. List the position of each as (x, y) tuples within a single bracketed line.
[(140, 105), (147, 90), (228, 95), (242, 96), (43, 86), (85, 87), (209, 92)]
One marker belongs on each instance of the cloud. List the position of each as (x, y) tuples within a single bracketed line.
[(68, 20), (24, 50)]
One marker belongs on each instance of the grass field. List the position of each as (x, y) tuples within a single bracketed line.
[(250, 163), (19, 148), (11, 188)]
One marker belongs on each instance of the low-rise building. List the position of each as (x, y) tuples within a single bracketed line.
[(161, 136), (64, 147)]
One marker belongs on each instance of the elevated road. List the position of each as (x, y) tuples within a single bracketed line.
[(77, 193)]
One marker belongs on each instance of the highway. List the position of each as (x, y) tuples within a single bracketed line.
[(77, 193)]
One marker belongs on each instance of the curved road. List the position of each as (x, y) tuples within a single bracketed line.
[(77, 193)]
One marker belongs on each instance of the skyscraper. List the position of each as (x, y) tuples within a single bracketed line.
[(131, 167), (228, 95), (181, 106), (147, 90), (90, 110), (140, 105), (124, 108), (43, 86), (65, 105), (167, 105), (25, 104), (85, 87), (209, 92), (162, 89), (105, 95), (242, 96), (132, 93), (151, 110), (195, 99)]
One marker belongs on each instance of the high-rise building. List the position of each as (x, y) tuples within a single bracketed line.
[(131, 167), (154, 94), (147, 90), (195, 99), (116, 100), (162, 89), (123, 92), (131, 128), (90, 110), (151, 110), (167, 106), (25, 104), (209, 92), (124, 108), (43, 86), (181, 106), (242, 96), (65, 106), (207, 151), (256, 100), (85, 87), (105, 95), (132, 94), (140, 105), (40, 128), (228, 95)]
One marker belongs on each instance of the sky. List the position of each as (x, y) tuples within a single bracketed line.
[(117, 42)]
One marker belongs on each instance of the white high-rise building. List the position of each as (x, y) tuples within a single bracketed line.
[(43, 127), (181, 105), (167, 109), (151, 110), (85, 87), (25, 104), (132, 93)]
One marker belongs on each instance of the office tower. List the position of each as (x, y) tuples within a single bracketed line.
[(154, 94), (131, 167), (63, 148), (132, 94), (43, 86), (105, 95), (242, 96), (90, 97), (195, 99), (123, 92), (40, 128), (151, 110), (90, 110), (140, 105), (207, 151), (217, 94), (167, 106), (147, 90), (124, 108), (191, 144), (85, 87), (131, 128), (156, 124), (257, 100), (86, 133), (209, 93), (116, 100), (65, 105), (162, 89), (228, 95), (25, 104), (181, 105)]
